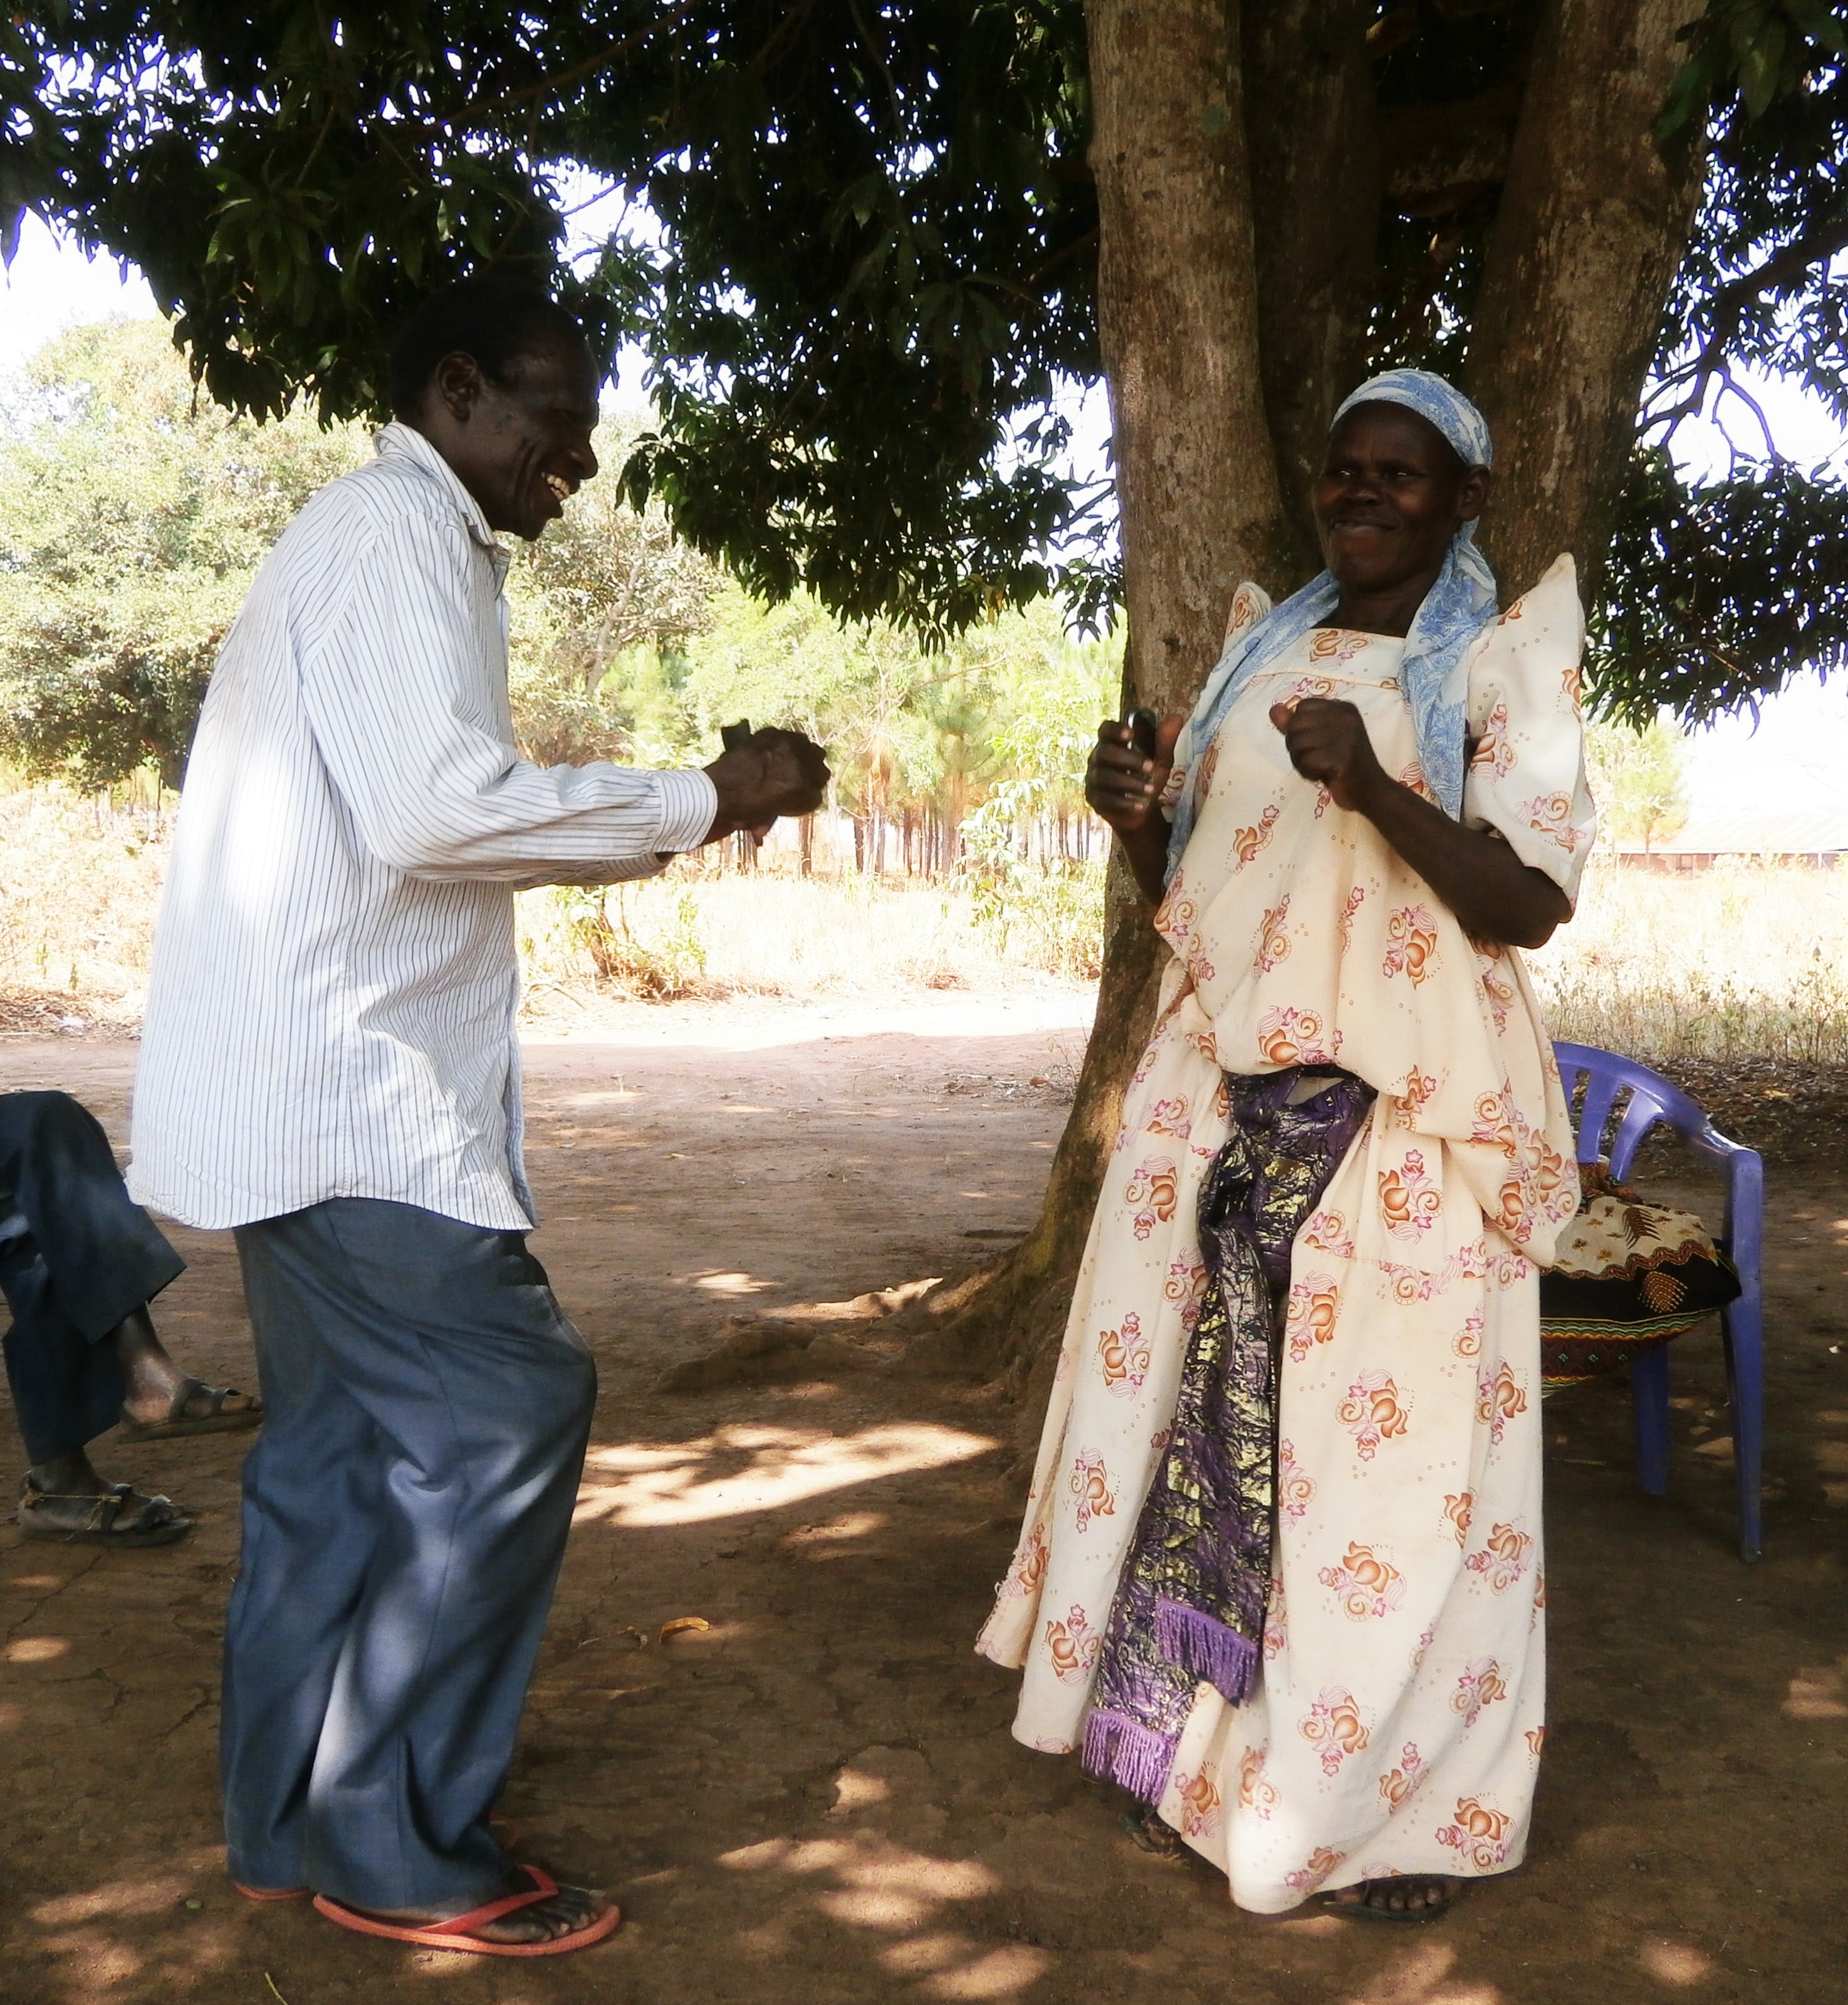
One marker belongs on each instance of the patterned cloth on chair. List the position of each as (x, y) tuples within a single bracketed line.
[(1628, 1275)]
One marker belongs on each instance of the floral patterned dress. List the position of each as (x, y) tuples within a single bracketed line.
[(1397, 1724)]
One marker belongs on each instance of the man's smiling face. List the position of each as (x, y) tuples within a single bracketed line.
[(520, 446)]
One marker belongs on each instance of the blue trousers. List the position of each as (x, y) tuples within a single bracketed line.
[(426, 1407), (77, 1254)]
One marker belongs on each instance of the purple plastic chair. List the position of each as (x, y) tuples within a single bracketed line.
[(1650, 1099)]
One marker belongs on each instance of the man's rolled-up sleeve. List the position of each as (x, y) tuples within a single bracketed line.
[(434, 783)]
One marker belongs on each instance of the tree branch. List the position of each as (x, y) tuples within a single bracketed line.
[(781, 35), (1037, 276), (885, 68), (1729, 386), (1440, 157), (1779, 274), (578, 71)]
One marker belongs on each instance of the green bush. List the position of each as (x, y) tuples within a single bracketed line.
[(664, 968)]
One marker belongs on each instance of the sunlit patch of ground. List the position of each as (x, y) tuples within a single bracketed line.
[(814, 1799)]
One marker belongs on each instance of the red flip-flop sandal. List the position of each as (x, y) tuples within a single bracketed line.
[(456, 1935), (507, 1834)]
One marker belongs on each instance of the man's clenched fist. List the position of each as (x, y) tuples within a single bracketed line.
[(772, 773)]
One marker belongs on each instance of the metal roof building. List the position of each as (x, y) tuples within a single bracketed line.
[(1816, 836)]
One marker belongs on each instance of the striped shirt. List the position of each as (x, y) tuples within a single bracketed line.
[(330, 1012)]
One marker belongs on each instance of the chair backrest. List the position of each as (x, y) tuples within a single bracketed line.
[(1652, 1099)]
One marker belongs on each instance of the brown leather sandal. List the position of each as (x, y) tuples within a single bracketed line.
[(179, 1422)]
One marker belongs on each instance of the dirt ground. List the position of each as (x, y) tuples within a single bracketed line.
[(816, 1799)]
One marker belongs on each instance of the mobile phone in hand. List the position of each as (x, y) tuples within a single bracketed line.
[(1142, 723)]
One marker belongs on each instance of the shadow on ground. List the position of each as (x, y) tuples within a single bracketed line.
[(814, 1798)]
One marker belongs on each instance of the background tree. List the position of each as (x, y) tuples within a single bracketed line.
[(916, 740), (132, 518), (876, 235), (134, 514), (601, 605), (1638, 779)]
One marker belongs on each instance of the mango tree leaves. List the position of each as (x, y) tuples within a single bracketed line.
[(867, 256)]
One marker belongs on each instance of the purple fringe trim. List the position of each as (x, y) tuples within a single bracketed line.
[(1122, 1750), (1204, 1647)]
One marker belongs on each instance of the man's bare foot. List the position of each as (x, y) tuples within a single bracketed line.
[(190, 1407), (561, 1913), (1411, 1897)]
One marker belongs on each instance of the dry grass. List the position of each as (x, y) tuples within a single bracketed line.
[(761, 935), (78, 882), (1743, 962), (1746, 961)]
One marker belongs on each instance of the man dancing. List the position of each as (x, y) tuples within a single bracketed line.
[(329, 1066)]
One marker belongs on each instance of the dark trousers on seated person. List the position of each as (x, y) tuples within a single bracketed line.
[(427, 1407), (77, 1255)]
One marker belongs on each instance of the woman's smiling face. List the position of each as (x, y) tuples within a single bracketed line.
[(1389, 497)]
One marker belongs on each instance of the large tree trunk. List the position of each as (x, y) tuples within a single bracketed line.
[(1593, 222), (1198, 502), (1177, 313), (1226, 355), (1316, 181)]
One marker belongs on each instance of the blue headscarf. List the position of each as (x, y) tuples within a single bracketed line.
[(1455, 611)]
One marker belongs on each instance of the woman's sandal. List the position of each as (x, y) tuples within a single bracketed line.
[(153, 1521), (1357, 1900), (1153, 1833), (457, 1934), (179, 1422), (507, 1835)]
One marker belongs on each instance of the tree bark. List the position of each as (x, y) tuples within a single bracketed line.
[(1199, 507), (1226, 347), (1177, 310), (1316, 180), (1594, 219)]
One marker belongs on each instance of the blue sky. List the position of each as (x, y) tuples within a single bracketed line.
[(1795, 759)]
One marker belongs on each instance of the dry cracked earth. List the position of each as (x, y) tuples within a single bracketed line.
[(815, 1798)]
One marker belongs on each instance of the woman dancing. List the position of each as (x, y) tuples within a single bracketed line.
[(1281, 1574)]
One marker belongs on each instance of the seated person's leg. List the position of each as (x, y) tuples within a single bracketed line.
[(160, 1400), (79, 1262), (65, 1392)]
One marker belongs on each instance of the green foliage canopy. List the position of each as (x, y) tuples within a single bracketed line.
[(133, 516), (1638, 779), (863, 257), (1013, 703), (599, 603), (868, 264)]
